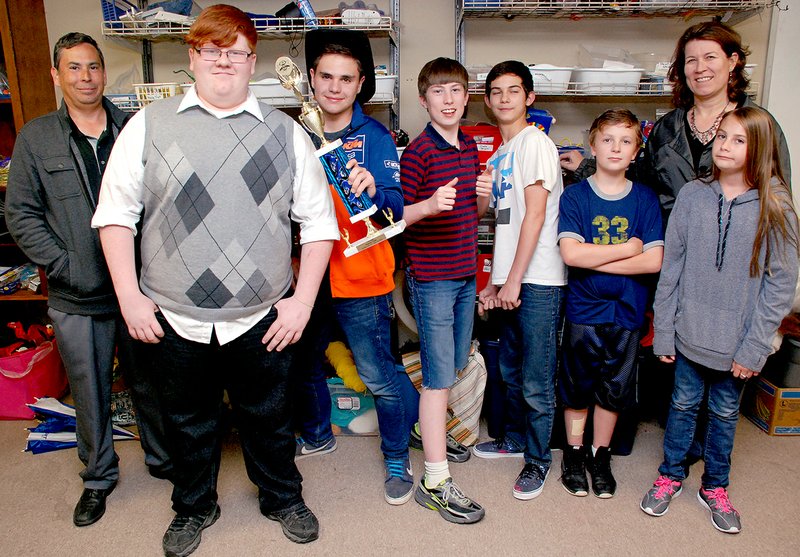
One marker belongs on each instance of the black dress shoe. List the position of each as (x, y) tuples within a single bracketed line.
[(91, 506)]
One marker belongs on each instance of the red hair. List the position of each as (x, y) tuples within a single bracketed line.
[(221, 24)]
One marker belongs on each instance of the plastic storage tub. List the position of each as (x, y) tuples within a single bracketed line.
[(593, 81), (550, 79), (384, 88), (271, 88)]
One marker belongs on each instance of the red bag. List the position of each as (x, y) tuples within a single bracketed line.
[(28, 375)]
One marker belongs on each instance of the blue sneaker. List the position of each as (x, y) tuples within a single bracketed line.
[(502, 447), (304, 448), (530, 481), (399, 484)]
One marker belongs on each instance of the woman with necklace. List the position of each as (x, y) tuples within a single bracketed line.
[(708, 80)]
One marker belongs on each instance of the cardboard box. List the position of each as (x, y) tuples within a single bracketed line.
[(773, 409)]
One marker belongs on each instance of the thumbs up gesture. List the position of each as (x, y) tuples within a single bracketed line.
[(483, 183), (444, 199)]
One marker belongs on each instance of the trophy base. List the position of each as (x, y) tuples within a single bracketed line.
[(376, 238)]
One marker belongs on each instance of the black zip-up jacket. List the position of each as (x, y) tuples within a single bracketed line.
[(667, 164), (49, 208)]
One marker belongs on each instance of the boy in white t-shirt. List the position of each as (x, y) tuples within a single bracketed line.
[(528, 276)]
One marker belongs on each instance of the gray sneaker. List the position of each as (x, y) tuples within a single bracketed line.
[(449, 501), (304, 448), (530, 481), (456, 452), (723, 516), (498, 448), (656, 501), (399, 484)]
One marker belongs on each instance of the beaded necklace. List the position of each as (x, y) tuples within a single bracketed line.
[(705, 136)]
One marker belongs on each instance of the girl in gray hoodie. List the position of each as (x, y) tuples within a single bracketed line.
[(728, 279)]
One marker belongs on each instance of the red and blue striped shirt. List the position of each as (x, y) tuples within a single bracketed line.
[(443, 246)]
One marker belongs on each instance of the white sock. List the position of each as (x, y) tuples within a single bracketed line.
[(436, 473), (594, 450)]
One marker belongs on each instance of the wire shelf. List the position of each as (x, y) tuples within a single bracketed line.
[(267, 27), (584, 89), (577, 9), (130, 103)]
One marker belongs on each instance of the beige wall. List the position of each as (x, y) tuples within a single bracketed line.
[(427, 30), (782, 80)]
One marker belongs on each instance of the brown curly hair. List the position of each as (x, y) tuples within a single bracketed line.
[(730, 41)]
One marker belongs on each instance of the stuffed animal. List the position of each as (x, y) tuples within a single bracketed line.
[(342, 361)]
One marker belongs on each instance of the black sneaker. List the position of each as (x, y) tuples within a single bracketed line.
[(573, 471), (456, 452), (183, 535), (298, 522), (604, 485)]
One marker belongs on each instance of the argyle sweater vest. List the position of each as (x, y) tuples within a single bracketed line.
[(215, 241)]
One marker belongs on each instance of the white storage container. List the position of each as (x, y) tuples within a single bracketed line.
[(620, 81), (550, 79), (270, 88), (384, 88)]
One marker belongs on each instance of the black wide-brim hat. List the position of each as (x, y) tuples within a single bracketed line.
[(356, 42)]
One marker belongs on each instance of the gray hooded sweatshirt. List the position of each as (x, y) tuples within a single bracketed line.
[(707, 305)]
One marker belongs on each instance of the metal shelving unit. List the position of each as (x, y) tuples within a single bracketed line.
[(586, 90), (268, 28), (128, 103), (729, 11), (576, 9)]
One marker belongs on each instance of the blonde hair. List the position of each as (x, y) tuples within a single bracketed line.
[(762, 172)]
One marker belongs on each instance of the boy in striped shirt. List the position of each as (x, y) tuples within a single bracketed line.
[(438, 172)]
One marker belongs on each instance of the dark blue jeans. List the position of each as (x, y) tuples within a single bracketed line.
[(367, 323), (724, 396), (528, 360), (192, 377)]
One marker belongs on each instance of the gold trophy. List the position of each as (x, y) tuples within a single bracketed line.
[(334, 160)]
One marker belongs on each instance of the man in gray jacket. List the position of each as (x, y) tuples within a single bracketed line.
[(53, 186)]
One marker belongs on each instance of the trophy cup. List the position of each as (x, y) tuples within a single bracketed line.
[(334, 160)]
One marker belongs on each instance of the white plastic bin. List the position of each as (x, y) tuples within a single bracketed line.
[(550, 79), (593, 81)]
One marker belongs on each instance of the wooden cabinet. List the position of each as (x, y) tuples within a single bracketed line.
[(26, 58)]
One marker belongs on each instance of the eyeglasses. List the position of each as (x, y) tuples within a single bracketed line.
[(214, 54)]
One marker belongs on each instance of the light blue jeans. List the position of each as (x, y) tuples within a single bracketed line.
[(444, 311)]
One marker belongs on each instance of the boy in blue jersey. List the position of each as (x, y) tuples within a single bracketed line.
[(610, 236)]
